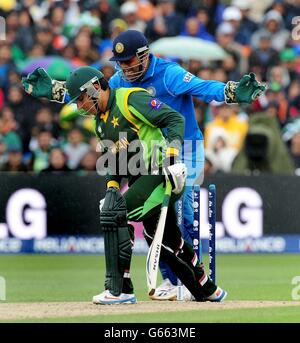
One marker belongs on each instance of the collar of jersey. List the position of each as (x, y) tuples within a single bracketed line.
[(111, 99)]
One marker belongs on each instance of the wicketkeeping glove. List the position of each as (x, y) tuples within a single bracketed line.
[(244, 91), (177, 174), (39, 84)]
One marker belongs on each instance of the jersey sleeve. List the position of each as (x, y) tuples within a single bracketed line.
[(179, 81), (155, 113), (115, 81)]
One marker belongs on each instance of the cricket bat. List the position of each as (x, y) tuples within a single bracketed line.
[(152, 262)]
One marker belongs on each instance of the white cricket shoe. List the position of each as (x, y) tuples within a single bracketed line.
[(219, 295), (166, 291), (106, 298), (187, 295)]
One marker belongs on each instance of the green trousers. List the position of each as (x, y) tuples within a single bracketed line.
[(143, 201)]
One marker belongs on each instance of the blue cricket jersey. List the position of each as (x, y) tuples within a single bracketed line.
[(174, 86)]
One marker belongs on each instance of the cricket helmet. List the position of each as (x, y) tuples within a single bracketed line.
[(83, 79), (126, 45)]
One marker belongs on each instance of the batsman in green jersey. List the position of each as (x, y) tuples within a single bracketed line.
[(140, 138)]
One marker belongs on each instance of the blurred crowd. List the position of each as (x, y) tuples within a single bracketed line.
[(259, 35)]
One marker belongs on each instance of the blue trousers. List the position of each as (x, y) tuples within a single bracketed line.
[(195, 176)]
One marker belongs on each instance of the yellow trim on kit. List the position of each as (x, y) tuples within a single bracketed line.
[(114, 184), (128, 115), (172, 152)]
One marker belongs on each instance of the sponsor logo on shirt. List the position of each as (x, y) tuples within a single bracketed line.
[(187, 77), (155, 104)]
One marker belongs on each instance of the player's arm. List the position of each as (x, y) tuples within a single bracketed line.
[(157, 114), (179, 81)]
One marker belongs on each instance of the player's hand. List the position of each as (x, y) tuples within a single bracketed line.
[(245, 91), (176, 174), (38, 84)]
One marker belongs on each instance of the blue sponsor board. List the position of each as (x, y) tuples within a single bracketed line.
[(95, 245)]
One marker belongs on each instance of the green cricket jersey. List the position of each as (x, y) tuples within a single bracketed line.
[(130, 131)]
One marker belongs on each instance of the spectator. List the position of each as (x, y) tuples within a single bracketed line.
[(75, 148), (225, 38), (276, 98), (45, 118), (57, 162), (264, 57), (25, 33), (166, 22), (129, 12), (8, 122), (229, 67), (279, 75), (288, 59), (294, 100), (14, 160), (23, 111), (44, 37), (3, 153), (233, 16), (220, 152), (246, 25), (85, 52), (227, 119), (107, 13), (6, 63), (88, 163), (40, 154), (272, 24), (202, 15), (215, 13), (193, 28)]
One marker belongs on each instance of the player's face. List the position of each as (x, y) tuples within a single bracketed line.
[(86, 103), (130, 67), (135, 67)]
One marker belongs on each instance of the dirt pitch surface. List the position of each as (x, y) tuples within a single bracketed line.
[(15, 311)]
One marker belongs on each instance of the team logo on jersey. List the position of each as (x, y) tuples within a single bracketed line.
[(119, 48), (151, 90), (155, 104), (115, 121), (187, 77)]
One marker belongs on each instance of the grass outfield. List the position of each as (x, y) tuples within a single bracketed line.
[(71, 278)]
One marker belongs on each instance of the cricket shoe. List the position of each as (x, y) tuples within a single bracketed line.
[(219, 295), (187, 295), (166, 291), (106, 298)]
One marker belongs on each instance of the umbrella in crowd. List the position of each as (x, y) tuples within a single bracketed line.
[(57, 67), (187, 48)]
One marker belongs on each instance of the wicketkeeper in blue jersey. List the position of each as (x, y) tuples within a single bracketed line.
[(173, 85)]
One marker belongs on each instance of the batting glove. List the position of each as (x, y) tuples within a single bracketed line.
[(176, 174)]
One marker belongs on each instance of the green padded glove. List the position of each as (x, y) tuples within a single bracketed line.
[(39, 84), (244, 91)]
